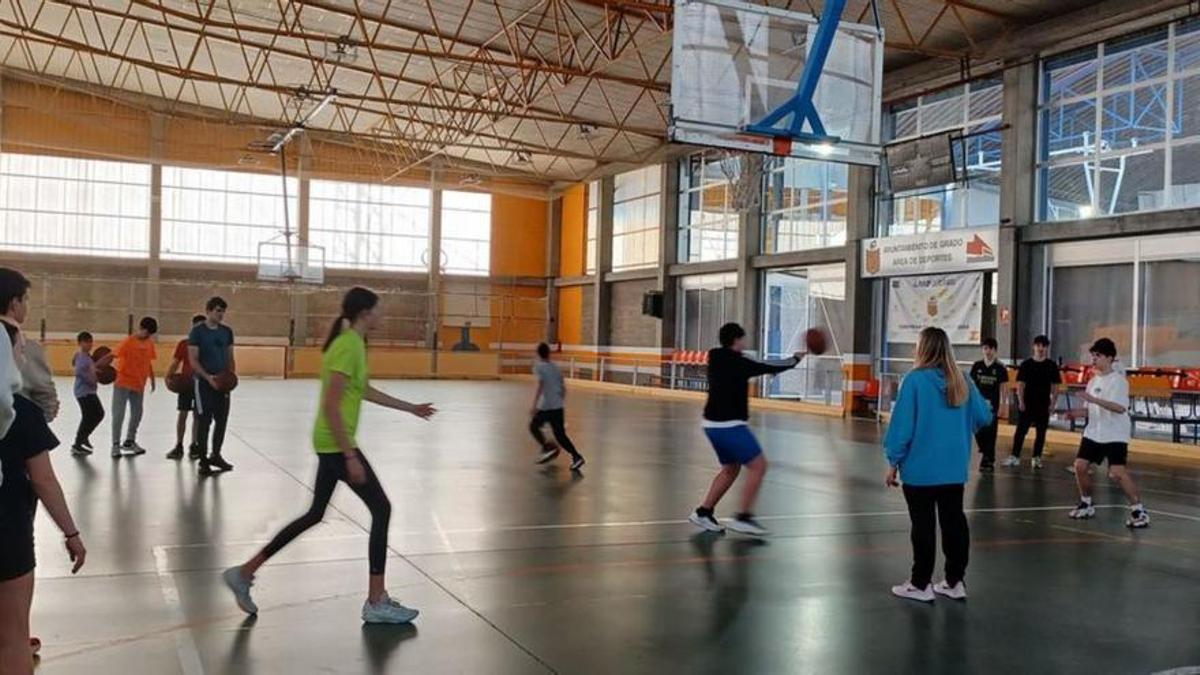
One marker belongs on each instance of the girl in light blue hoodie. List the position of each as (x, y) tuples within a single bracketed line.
[(928, 443)]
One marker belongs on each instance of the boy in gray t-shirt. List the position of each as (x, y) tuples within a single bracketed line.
[(548, 404)]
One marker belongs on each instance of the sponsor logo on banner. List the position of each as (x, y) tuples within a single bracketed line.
[(950, 251)]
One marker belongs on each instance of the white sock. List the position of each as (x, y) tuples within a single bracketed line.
[(1086, 500), (1137, 507)]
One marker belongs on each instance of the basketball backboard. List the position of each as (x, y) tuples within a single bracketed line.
[(277, 261), (735, 63)]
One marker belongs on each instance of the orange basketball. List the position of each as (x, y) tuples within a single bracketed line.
[(226, 381), (814, 340), (178, 383)]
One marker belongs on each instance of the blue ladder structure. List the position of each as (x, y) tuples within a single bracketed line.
[(800, 106)]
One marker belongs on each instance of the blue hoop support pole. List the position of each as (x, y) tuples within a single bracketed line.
[(800, 106)]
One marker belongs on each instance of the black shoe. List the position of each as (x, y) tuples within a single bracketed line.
[(577, 463), (987, 467), (87, 444), (218, 462), (746, 524), (79, 450), (176, 452), (194, 452), (206, 469)]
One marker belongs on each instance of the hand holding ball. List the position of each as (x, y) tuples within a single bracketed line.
[(177, 383), (225, 381), (105, 374)]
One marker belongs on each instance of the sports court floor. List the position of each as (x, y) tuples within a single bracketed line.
[(524, 569)]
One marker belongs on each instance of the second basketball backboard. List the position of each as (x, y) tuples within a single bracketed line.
[(734, 63)]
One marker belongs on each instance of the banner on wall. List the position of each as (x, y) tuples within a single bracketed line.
[(950, 251), (952, 302)]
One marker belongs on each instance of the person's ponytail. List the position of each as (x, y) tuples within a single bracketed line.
[(356, 301)]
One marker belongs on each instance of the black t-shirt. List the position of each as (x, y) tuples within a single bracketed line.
[(1039, 378), (729, 375), (28, 437), (988, 380)]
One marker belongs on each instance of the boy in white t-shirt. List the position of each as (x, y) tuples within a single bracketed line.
[(1106, 436)]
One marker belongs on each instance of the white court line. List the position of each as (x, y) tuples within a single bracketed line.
[(442, 533), (185, 644)]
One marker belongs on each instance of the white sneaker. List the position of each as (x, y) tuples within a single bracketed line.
[(907, 590), (1011, 460), (746, 524), (387, 611), (956, 592), (705, 522), (116, 451), (1082, 512), (1138, 519), (1037, 463), (240, 587), (132, 448)]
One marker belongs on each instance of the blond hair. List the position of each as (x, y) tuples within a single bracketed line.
[(934, 351)]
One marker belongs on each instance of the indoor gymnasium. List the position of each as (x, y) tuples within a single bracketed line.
[(599, 336)]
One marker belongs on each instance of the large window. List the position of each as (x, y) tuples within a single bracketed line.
[(805, 204), (637, 196), (223, 216), (708, 302), (795, 301), (593, 225), (466, 232), (708, 221), (975, 109), (1140, 292), (367, 226), (76, 206), (1120, 126)]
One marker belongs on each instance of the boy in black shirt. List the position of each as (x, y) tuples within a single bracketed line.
[(725, 423), (989, 376), (1037, 393)]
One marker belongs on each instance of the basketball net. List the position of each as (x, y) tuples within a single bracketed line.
[(743, 171)]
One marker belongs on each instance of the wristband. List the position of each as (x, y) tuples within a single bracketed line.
[(72, 535)]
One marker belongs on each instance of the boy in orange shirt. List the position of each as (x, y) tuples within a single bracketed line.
[(135, 364)]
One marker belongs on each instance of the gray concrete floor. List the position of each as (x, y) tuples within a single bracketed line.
[(526, 569)]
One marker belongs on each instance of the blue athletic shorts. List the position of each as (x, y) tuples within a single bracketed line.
[(734, 445)]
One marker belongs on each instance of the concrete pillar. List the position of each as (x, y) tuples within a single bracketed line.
[(434, 297), (158, 125), (602, 294), (554, 212), (1018, 166), (668, 253), (860, 224), (750, 245)]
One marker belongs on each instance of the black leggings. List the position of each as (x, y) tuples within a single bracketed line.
[(330, 470), (92, 413), (929, 506), (557, 425)]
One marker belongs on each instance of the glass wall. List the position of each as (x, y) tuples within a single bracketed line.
[(74, 206), (466, 232), (796, 300), (1141, 292), (975, 108), (805, 204), (593, 225), (1120, 126), (222, 216), (708, 222), (637, 198), (367, 226), (706, 303)]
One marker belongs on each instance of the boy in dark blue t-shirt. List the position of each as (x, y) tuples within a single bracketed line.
[(210, 353)]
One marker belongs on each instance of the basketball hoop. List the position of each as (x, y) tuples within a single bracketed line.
[(743, 171)]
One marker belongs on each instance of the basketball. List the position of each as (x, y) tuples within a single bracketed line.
[(178, 383), (100, 352), (226, 381), (814, 340), (106, 374)]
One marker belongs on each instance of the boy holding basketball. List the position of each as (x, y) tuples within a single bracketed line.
[(210, 353), (135, 365), (91, 410), (726, 423), (185, 398)]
